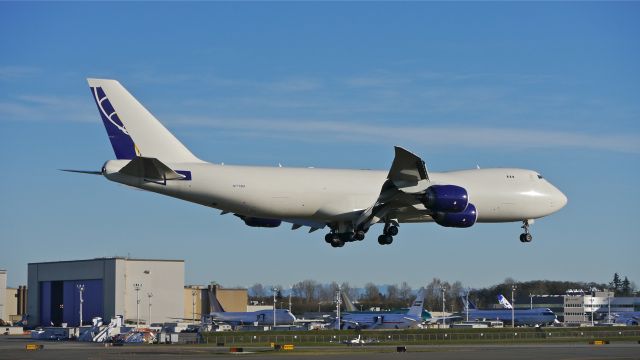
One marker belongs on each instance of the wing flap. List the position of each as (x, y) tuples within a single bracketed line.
[(407, 168)]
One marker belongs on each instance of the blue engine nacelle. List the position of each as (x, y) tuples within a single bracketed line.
[(260, 222), (445, 198), (461, 219)]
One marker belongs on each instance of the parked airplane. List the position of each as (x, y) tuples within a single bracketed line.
[(260, 317), (630, 318), (360, 341), (350, 308), (522, 317), (348, 202), (379, 320)]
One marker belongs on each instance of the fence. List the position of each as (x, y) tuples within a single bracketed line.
[(422, 338)]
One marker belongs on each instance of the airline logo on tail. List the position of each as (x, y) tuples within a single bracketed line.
[(121, 141), (417, 306), (504, 302)]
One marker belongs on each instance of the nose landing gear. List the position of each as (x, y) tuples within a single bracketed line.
[(526, 236)]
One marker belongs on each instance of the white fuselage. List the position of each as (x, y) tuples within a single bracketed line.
[(329, 195)]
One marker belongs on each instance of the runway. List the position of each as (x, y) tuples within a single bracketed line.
[(14, 348)]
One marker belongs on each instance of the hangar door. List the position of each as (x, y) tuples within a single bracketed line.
[(60, 302)]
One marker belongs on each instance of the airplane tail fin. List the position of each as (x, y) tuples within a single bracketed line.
[(214, 304), (348, 305), (504, 302), (467, 304), (132, 129), (418, 305)]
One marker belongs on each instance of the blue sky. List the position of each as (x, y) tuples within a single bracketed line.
[(547, 86)]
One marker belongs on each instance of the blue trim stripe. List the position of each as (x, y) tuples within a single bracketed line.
[(121, 141), (186, 173)]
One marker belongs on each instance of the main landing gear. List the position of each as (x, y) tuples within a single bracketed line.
[(387, 234), (336, 239), (526, 236)]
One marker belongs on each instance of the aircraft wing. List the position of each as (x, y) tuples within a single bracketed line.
[(435, 320), (400, 194)]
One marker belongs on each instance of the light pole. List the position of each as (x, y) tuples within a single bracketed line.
[(609, 305), (338, 303), (290, 291), (467, 305), (444, 320), (584, 313), (531, 297), (592, 296), (137, 288), (513, 306), (149, 295), (275, 290), (193, 304), (81, 290)]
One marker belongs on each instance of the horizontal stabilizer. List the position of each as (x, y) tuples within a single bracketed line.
[(151, 169), (83, 171)]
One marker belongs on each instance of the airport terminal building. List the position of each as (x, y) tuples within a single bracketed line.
[(151, 290)]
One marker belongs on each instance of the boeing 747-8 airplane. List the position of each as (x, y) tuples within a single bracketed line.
[(348, 202)]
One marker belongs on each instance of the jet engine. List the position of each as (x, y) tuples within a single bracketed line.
[(261, 222), (462, 219), (446, 198)]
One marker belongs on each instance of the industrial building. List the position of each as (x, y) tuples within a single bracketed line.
[(138, 289), (197, 302), (3, 294), (583, 307), (13, 301)]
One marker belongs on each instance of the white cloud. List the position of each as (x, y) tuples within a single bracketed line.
[(468, 137), (47, 108), (17, 72)]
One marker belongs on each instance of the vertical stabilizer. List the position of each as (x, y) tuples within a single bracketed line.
[(504, 302), (418, 305), (214, 304), (467, 304), (348, 305), (132, 129)]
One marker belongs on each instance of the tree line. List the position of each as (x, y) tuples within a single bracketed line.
[(310, 295)]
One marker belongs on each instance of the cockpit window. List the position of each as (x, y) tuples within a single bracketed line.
[(540, 176)]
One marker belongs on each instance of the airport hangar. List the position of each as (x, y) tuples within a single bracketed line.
[(109, 289)]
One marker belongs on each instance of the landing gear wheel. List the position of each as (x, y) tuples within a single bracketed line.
[(392, 230), (359, 235), (526, 237), (347, 237), (385, 239), (337, 242), (328, 238)]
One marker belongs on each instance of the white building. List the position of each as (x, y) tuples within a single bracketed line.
[(583, 307), (3, 294), (109, 289)]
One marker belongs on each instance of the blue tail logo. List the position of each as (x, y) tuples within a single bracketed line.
[(121, 141)]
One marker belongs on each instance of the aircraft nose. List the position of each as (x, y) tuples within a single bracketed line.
[(559, 199), (563, 199)]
